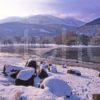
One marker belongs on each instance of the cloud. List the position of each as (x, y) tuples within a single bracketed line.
[(81, 9)]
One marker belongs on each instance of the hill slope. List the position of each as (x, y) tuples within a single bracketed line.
[(94, 22)]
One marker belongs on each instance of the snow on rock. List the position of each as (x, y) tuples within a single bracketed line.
[(8, 69), (26, 74), (74, 71), (53, 69), (87, 71), (57, 86), (43, 66)]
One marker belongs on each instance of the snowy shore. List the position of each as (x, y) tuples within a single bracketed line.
[(83, 87)]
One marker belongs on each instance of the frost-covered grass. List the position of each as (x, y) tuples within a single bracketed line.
[(82, 87)]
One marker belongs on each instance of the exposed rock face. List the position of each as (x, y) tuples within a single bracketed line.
[(43, 74)]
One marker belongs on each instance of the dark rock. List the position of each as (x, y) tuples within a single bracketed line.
[(78, 74), (4, 70), (43, 74), (72, 71), (96, 96), (14, 74), (29, 82), (33, 64)]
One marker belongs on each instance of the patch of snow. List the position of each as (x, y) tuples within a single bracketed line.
[(82, 87), (43, 66), (43, 30)]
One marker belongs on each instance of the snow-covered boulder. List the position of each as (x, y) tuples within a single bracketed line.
[(42, 74), (26, 77), (53, 68), (56, 86), (74, 71), (10, 69), (44, 66)]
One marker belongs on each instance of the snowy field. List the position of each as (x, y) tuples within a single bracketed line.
[(82, 86)]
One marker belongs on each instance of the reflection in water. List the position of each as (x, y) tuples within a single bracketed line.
[(88, 54)]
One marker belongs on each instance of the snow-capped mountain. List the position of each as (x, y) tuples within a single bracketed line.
[(38, 25), (44, 20), (73, 22), (91, 28), (12, 19), (94, 22)]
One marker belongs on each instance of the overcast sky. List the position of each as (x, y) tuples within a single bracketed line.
[(85, 10)]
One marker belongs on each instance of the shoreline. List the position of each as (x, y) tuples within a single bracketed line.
[(68, 62)]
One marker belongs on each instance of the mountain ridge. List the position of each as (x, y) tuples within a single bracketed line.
[(94, 22), (44, 19)]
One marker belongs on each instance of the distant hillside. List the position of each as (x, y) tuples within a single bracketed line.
[(94, 22), (38, 25), (19, 29), (73, 22), (44, 20), (12, 19), (47, 27), (91, 28)]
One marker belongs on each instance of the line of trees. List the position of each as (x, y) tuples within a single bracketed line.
[(69, 38)]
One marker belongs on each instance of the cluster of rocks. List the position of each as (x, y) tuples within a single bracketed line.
[(25, 75)]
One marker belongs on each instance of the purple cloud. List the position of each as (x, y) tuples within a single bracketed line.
[(82, 9)]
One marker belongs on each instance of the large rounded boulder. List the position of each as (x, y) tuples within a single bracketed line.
[(57, 86), (25, 77)]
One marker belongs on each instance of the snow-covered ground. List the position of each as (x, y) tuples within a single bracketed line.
[(82, 86)]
